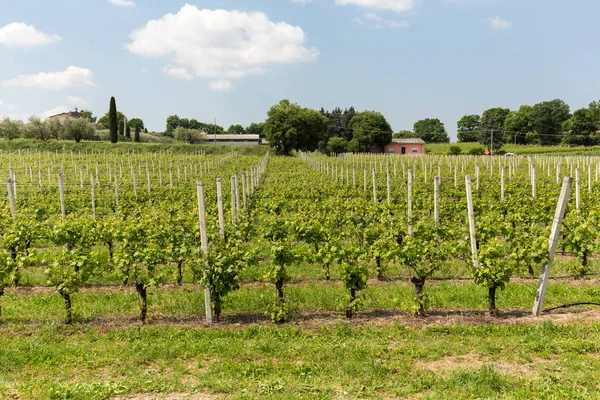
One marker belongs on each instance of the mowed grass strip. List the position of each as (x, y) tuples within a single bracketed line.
[(339, 361)]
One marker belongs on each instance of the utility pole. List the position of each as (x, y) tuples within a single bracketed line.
[(215, 130)]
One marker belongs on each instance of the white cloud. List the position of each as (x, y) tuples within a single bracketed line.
[(122, 3), (20, 35), (221, 44), (76, 101), (376, 21), (54, 111), (389, 5), (499, 23), (6, 106), (177, 72), (71, 77), (221, 85)]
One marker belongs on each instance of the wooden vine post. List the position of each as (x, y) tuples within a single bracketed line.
[(559, 215), (93, 195), (61, 188), (471, 215), (204, 245), (220, 207), (11, 199)]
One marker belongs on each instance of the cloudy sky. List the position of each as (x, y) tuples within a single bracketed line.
[(233, 59)]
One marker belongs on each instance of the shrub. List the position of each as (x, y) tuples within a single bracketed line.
[(455, 150), (477, 151)]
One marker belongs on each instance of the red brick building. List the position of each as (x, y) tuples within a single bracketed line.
[(409, 147)]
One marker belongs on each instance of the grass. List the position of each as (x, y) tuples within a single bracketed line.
[(384, 353), (444, 148), (337, 361), (175, 148)]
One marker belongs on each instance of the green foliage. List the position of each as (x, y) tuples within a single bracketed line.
[(547, 119), (220, 272), (136, 135), (10, 129), (77, 260), (256, 129), (38, 129), (431, 130), (469, 128), (236, 129), (455, 150), (477, 151), (518, 128), (113, 122), (78, 129), (581, 129), (492, 128), (369, 129), (337, 145), (494, 268), (291, 127), (581, 236), (136, 123), (403, 135), (189, 136)]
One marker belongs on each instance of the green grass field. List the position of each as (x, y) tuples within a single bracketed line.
[(385, 352), (444, 148)]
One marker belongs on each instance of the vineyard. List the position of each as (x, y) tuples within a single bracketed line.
[(246, 247)]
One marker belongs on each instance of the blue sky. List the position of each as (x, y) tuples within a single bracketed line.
[(409, 59)]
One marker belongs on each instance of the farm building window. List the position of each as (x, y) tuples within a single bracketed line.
[(415, 150), (392, 150)]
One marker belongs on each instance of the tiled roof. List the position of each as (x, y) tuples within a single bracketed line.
[(227, 136), (408, 141)]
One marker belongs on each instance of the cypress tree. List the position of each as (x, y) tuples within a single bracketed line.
[(113, 122), (128, 132), (136, 137), (122, 129)]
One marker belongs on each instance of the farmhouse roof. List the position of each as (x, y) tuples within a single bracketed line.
[(72, 114), (227, 136), (408, 141)]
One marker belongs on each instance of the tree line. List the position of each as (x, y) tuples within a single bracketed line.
[(546, 123)]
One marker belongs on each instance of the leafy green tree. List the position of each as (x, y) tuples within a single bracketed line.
[(580, 130), (76, 262), (37, 129), (11, 129), (190, 136), (337, 145), (133, 122), (236, 129), (517, 127), (173, 122), (113, 122), (370, 128), (54, 128), (104, 121), (492, 128), (594, 110), (291, 127), (256, 129), (88, 115), (136, 136), (338, 124), (547, 119), (468, 128), (128, 132), (78, 129), (403, 135), (431, 130)]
